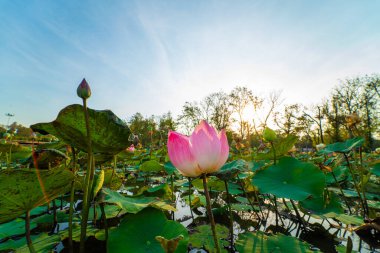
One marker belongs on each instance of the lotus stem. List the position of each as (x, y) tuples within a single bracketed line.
[(27, 234), (191, 209), (231, 217), (298, 214), (113, 170), (71, 209), (355, 184), (210, 215), (341, 191), (274, 153), (249, 200), (104, 218), (87, 180)]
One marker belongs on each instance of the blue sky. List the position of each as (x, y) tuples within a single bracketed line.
[(152, 56)]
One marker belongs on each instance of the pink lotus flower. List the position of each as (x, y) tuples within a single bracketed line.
[(205, 151), (131, 148)]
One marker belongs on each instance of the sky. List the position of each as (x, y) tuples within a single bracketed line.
[(153, 56)]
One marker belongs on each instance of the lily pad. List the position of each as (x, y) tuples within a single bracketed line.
[(322, 206), (231, 169), (261, 243), (203, 237), (109, 134), (41, 243), (15, 227), (375, 169), (23, 190), (137, 233), (291, 178), (281, 147), (151, 166), (343, 147), (133, 204)]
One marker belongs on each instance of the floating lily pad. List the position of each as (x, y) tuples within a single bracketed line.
[(291, 178), (133, 204), (15, 227), (375, 169), (231, 169), (281, 146), (169, 168), (151, 166), (23, 190), (109, 134), (261, 243), (343, 147), (203, 237), (41, 243), (323, 205), (137, 233)]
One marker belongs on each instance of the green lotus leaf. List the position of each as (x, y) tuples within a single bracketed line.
[(169, 168), (151, 166), (17, 151), (203, 237), (111, 211), (281, 147), (91, 231), (46, 158), (117, 179), (231, 169), (62, 216), (109, 134), (133, 204), (15, 227), (343, 147), (350, 219), (375, 169), (291, 178), (21, 191), (137, 233), (323, 206), (41, 243), (214, 184), (261, 243)]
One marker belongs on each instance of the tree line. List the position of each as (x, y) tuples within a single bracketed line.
[(351, 109)]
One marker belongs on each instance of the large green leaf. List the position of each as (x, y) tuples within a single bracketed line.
[(15, 227), (203, 237), (261, 243), (23, 190), (281, 147), (375, 169), (109, 134), (151, 166), (231, 169), (291, 178), (323, 205), (137, 233), (42, 243), (343, 147), (133, 204)]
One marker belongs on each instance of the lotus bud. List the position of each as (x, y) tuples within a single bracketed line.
[(84, 90), (269, 134)]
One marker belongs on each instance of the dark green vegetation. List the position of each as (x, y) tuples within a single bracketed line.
[(268, 197)]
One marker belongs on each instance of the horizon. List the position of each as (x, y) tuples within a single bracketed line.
[(151, 57)]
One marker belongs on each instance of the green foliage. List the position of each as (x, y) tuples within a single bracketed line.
[(281, 147), (262, 243), (138, 233), (290, 178), (23, 190), (109, 133), (203, 237)]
